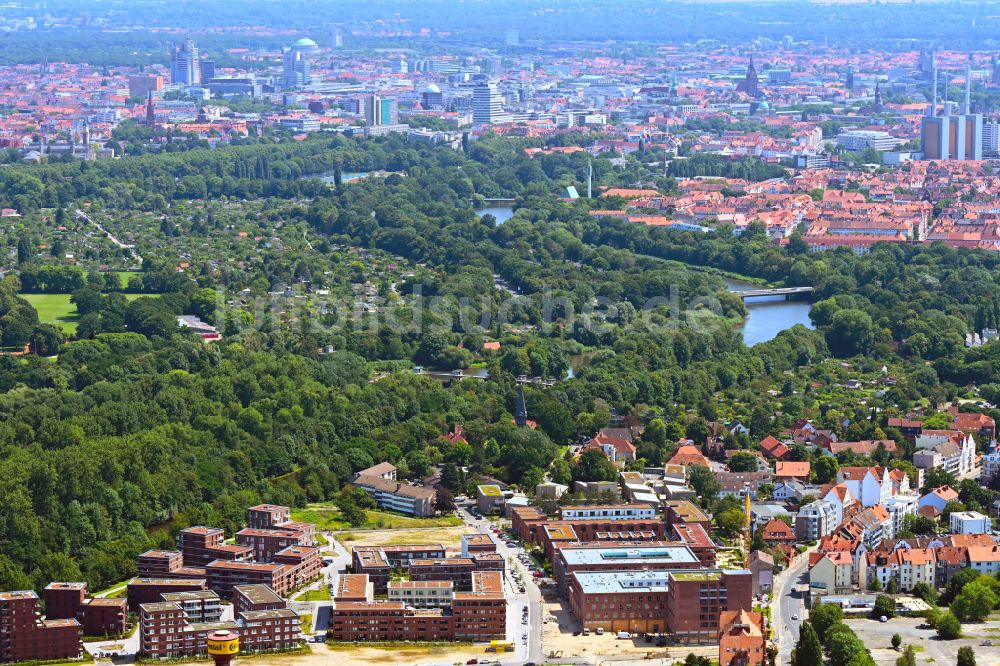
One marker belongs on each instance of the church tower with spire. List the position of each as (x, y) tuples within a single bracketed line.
[(749, 84), (521, 413)]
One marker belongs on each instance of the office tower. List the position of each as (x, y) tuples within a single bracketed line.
[(296, 69), (207, 69), (338, 38), (749, 84), (849, 80), (184, 64), (140, 85), (487, 104), (991, 139), (378, 110), (926, 61)]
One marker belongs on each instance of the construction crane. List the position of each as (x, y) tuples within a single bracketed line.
[(747, 536)]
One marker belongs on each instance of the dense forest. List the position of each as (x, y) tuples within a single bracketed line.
[(136, 429)]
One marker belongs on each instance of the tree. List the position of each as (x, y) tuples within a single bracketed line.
[(926, 592), (908, 658), (824, 616), (825, 469), (444, 500), (937, 477), (744, 461), (593, 465), (960, 579), (966, 656), (698, 431), (897, 640), (949, 627), (851, 332), (731, 522), (884, 606), (703, 482), (808, 650), (844, 646), (974, 602)]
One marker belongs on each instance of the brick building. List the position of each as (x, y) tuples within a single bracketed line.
[(150, 590), (63, 600), (104, 616), (621, 557), (224, 576), (198, 605), (171, 629), (683, 512), (26, 637), (711, 593), (166, 564), (200, 545), (265, 543), (255, 598), (354, 587), (379, 562), (479, 614)]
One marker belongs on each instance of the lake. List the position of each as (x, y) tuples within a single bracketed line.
[(502, 213), (769, 315)]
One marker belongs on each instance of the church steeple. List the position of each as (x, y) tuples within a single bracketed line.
[(878, 97), (521, 413), (150, 110)]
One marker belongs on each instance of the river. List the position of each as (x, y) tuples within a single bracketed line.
[(767, 316)]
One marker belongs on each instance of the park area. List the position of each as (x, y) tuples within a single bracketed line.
[(326, 517), (57, 309)]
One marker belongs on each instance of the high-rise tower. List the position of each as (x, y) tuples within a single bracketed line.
[(185, 66)]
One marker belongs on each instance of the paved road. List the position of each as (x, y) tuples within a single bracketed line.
[(525, 650), (787, 602), (111, 237)]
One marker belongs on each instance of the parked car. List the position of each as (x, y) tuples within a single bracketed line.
[(624, 635), (599, 631)]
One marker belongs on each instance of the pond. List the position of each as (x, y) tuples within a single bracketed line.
[(769, 315), (502, 213)]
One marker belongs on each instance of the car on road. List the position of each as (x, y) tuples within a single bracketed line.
[(472, 661), (795, 617)]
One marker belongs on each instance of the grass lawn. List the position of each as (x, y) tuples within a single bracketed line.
[(125, 276), (322, 594), (326, 517), (57, 309)]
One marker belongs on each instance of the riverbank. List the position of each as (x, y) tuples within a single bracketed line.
[(728, 275)]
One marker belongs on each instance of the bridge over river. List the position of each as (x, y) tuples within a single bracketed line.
[(788, 292)]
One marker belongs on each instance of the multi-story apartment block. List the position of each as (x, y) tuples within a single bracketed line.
[(476, 615), (815, 520), (198, 605), (26, 637), (255, 598), (224, 576), (422, 593), (609, 512), (150, 590)]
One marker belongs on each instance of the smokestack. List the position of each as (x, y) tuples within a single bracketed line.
[(947, 109), (966, 107), (932, 110)]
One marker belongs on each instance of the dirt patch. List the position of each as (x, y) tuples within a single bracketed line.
[(449, 537)]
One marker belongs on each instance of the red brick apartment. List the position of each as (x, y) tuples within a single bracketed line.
[(248, 598), (353, 588), (224, 576), (201, 545), (179, 628), (149, 590), (477, 615), (265, 543), (97, 617), (378, 562), (26, 637), (685, 604)]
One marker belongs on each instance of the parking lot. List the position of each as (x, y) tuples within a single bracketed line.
[(930, 649)]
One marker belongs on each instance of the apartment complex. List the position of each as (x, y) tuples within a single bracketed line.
[(24, 636), (97, 617), (391, 494), (274, 551), (479, 614), (179, 624)]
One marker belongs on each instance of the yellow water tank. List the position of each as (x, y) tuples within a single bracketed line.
[(223, 643)]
